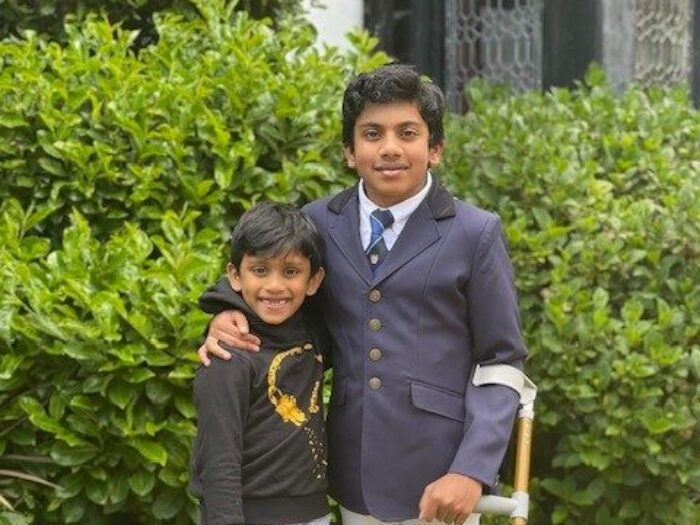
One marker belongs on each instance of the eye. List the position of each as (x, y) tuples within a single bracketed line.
[(371, 134), (409, 134), (258, 271), (291, 272)]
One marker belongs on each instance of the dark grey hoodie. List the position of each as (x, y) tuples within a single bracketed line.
[(259, 455)]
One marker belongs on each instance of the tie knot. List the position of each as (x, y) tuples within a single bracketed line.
[(382, 217)]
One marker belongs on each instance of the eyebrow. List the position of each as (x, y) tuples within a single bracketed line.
[(377, 125)]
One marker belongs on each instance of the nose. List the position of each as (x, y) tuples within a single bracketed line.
[(274, 284), (390, 147)]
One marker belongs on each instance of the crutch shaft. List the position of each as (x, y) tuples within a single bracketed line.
[(522, 455), (523, 452)]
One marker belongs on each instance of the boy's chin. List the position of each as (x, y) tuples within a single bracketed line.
[(274, 319)]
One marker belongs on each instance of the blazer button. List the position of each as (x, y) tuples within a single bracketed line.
[(375, 383), (375, 325), (375, 296), (375, 354)]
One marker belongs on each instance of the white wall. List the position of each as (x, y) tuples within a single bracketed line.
[(335, 18)]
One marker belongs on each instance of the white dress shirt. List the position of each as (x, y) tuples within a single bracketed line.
[(401, 212)]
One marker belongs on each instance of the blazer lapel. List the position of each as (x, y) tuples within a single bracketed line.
[(420, 232), (344, 230)]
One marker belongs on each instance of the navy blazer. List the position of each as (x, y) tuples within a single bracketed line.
[(403, 410)]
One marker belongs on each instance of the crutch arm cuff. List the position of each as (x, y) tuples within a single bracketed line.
[(509, 376)]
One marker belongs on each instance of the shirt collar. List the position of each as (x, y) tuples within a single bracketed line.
[(402, 210)]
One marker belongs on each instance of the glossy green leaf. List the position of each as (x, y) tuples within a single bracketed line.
[(142, 482), (121, 393), (151, 450), (69, 456), (167, 504)]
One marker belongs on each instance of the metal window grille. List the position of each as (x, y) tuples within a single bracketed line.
[(663, 40), (500, 40)]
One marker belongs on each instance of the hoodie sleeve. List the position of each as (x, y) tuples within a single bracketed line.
[(222, 398)]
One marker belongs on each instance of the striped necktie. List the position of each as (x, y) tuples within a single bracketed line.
[(379, 220)]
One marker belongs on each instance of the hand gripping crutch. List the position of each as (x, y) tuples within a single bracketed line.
[(517, 505)]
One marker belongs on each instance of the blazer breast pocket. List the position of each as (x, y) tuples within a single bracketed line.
[(438, 401)]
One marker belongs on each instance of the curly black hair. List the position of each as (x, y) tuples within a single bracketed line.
[(394, 83)]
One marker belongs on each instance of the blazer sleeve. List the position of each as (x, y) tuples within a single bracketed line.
[(222, 398), (494, 321)]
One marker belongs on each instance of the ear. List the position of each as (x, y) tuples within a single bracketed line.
[(315, 281), (349, 157), (435, 154), (234, 278)]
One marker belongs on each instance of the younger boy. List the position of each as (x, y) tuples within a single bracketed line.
[(259, 454), (419, 293)]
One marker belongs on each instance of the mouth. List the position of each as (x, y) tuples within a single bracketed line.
[(274, 304), (391, 170)]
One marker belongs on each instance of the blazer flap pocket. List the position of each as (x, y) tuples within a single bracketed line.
[(438, 401)]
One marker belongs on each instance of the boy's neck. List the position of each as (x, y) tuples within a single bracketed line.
[(411, 201)]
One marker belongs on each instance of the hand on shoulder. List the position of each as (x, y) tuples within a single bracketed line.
[(230, 327)]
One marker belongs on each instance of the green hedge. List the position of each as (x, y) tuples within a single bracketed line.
[(97, 362), (48, 16), (600, 196), (121, 177)]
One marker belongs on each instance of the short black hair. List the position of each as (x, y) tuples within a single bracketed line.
[(269, 229), (394, 83)]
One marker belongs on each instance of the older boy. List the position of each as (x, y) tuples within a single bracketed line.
[(259, 455), (414, 299)]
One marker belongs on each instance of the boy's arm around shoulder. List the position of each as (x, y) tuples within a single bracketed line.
[(494, 322), (229, 324), (222, 399)]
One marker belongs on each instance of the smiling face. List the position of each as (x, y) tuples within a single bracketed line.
[(391, 152), (275, 287)]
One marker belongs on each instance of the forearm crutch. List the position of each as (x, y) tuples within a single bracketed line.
[(517, 505)]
